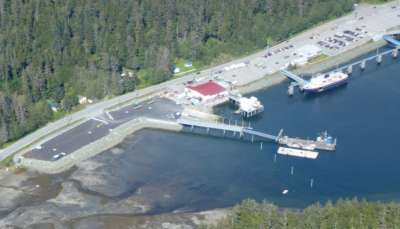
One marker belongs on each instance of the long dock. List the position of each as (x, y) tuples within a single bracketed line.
[(248, 131), (362, 63)]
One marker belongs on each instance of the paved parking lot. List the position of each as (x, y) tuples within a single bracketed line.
[(367, 21), (102, 125), (158, 108)]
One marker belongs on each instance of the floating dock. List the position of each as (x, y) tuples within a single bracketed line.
[(298, 153), (307, 144)]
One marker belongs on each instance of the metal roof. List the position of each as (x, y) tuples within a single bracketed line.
[(208, 88)]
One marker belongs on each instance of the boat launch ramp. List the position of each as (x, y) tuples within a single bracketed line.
[(246, 131)]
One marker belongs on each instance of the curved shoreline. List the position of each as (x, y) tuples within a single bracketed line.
[(124, 130)]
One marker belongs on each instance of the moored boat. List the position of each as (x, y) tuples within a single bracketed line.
[(325, 82)]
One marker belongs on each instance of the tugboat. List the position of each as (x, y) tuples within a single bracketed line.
[(325, 138)]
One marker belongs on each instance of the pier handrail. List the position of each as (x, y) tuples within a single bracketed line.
[(261, 134), (361, 61)]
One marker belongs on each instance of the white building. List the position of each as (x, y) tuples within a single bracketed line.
[(305, 53), (309, 51)]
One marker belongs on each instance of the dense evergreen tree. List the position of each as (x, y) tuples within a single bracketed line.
[(63, 48), (344, 214)]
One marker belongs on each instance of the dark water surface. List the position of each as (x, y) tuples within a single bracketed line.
[(200, 172)]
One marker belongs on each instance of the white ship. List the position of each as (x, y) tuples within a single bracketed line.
[(325, 82)]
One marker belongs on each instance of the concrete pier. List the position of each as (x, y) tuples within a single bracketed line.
[(280, 139)]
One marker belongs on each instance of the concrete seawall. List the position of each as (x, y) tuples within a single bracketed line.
[(114, 138)]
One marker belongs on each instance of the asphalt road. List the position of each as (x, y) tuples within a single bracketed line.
[(102, 125), (375, 20)]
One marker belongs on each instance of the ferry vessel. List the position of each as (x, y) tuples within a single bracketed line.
[(325, 82)]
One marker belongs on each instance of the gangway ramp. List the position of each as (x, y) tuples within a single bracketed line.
[(391, 39), (226, 127), (261, 134), (294, 77)]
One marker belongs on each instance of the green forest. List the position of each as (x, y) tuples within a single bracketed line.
[(52, 51), (343, 214)]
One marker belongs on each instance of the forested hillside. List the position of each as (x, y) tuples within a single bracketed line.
[(51, 51), (343, 214)]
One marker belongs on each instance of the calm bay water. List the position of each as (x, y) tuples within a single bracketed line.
[(200, 172)]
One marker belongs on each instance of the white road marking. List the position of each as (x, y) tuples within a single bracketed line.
[(109, 115), (100, 120)]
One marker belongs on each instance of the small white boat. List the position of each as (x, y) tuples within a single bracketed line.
[(285, 191), (297, 152)]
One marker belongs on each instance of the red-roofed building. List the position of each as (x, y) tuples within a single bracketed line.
[(206, 91)]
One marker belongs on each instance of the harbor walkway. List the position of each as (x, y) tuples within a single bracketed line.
[(243, 130)]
